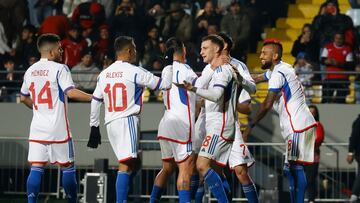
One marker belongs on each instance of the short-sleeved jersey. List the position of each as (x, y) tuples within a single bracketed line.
[(120, 86), (294, 114), (244, 97), (178, 121), (222, 114), (47, 82)]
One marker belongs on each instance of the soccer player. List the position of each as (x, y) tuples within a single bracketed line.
[(47, 84), (240, 157), (120, 87), (220, 106), (176, 129), (286, 96)]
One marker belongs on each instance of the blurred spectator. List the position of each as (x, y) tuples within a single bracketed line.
[(45, 8), (4, 46), (107, 61), (212, 29), (26, 45), (85, 73), (306, 43), (89, 15), (208, 17), (58, 25), (130, 22), (13, 17), (304, 71), (155, 15), (152, 47), (330, 22), (73, 45), (109, 7), (354, 152), (311, 170), (237, 25), (102, 45), (354, 3), (9, 81), (337, 56), (178, 23)]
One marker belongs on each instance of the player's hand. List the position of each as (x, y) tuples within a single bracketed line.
[(95, 137), (350, 158), (186, 85)]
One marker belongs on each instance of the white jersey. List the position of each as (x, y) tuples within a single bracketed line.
[(247, 82), (221, 115), (244, 97), (294, 114), (47, 82), (120, 86), (177, 124)]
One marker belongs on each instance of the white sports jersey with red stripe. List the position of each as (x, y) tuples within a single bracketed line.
[(120, 86), (222, 115), (47, 82), (291, 106), (177, 124)]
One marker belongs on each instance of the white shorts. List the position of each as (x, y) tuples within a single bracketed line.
[(216, 148), (300, 147), (172, 150), (123, 134), (55, 153), (240, 153)]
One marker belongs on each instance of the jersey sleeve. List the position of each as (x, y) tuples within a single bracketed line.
[(203, 80), (147, 79), (65, 80), (267, 75), (24, 91), (276, 82), (248, 82), (244, 97), (222, 77), (97, 94)]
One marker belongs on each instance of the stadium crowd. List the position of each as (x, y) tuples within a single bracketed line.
[(88, 29)]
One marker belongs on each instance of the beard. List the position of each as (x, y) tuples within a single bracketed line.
[(266, 65)]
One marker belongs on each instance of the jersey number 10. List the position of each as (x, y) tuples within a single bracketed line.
[(111, 92)]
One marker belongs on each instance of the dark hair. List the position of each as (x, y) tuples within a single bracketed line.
[(339, 32), (46, 39), (316, 115), (216, 40), (173, 45), (227, 39), (276, 43), (122, 42)]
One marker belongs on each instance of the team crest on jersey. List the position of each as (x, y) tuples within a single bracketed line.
[(203, 149)]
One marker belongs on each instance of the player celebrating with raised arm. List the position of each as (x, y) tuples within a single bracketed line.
[(45, 89), (286, 96), (176, 128), (120, 87)]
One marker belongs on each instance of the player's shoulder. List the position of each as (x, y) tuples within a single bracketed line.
[(238, 63)]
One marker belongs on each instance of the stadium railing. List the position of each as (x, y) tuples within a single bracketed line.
[(334, 180)]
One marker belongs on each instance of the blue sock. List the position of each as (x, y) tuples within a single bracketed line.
[(301, 183), (250, 193), (156, 194), (291, 181), (199, 194), (33, 183), (69, 184), (184, 196), (214, 182), (194, 184), (122, 186), (226, 186)]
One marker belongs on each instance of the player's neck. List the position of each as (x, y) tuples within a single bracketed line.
[(123, 58), (216, 62), (179, 58), (274, 64)]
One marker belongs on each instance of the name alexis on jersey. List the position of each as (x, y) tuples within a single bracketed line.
[(40, 73), (114, 75)]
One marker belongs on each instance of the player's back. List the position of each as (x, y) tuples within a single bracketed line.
[(46, 82), (178, 101), (119, 86), (297, 111), (223, 113)]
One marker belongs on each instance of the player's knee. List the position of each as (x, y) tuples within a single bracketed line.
[(242, 174), (202, 167)]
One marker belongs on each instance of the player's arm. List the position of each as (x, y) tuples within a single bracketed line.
[(146, 78), (96, 102), (265, 107), (244, 103), (27, 101), (203, 80), (78, 95), (263, 77), (247, 82)]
